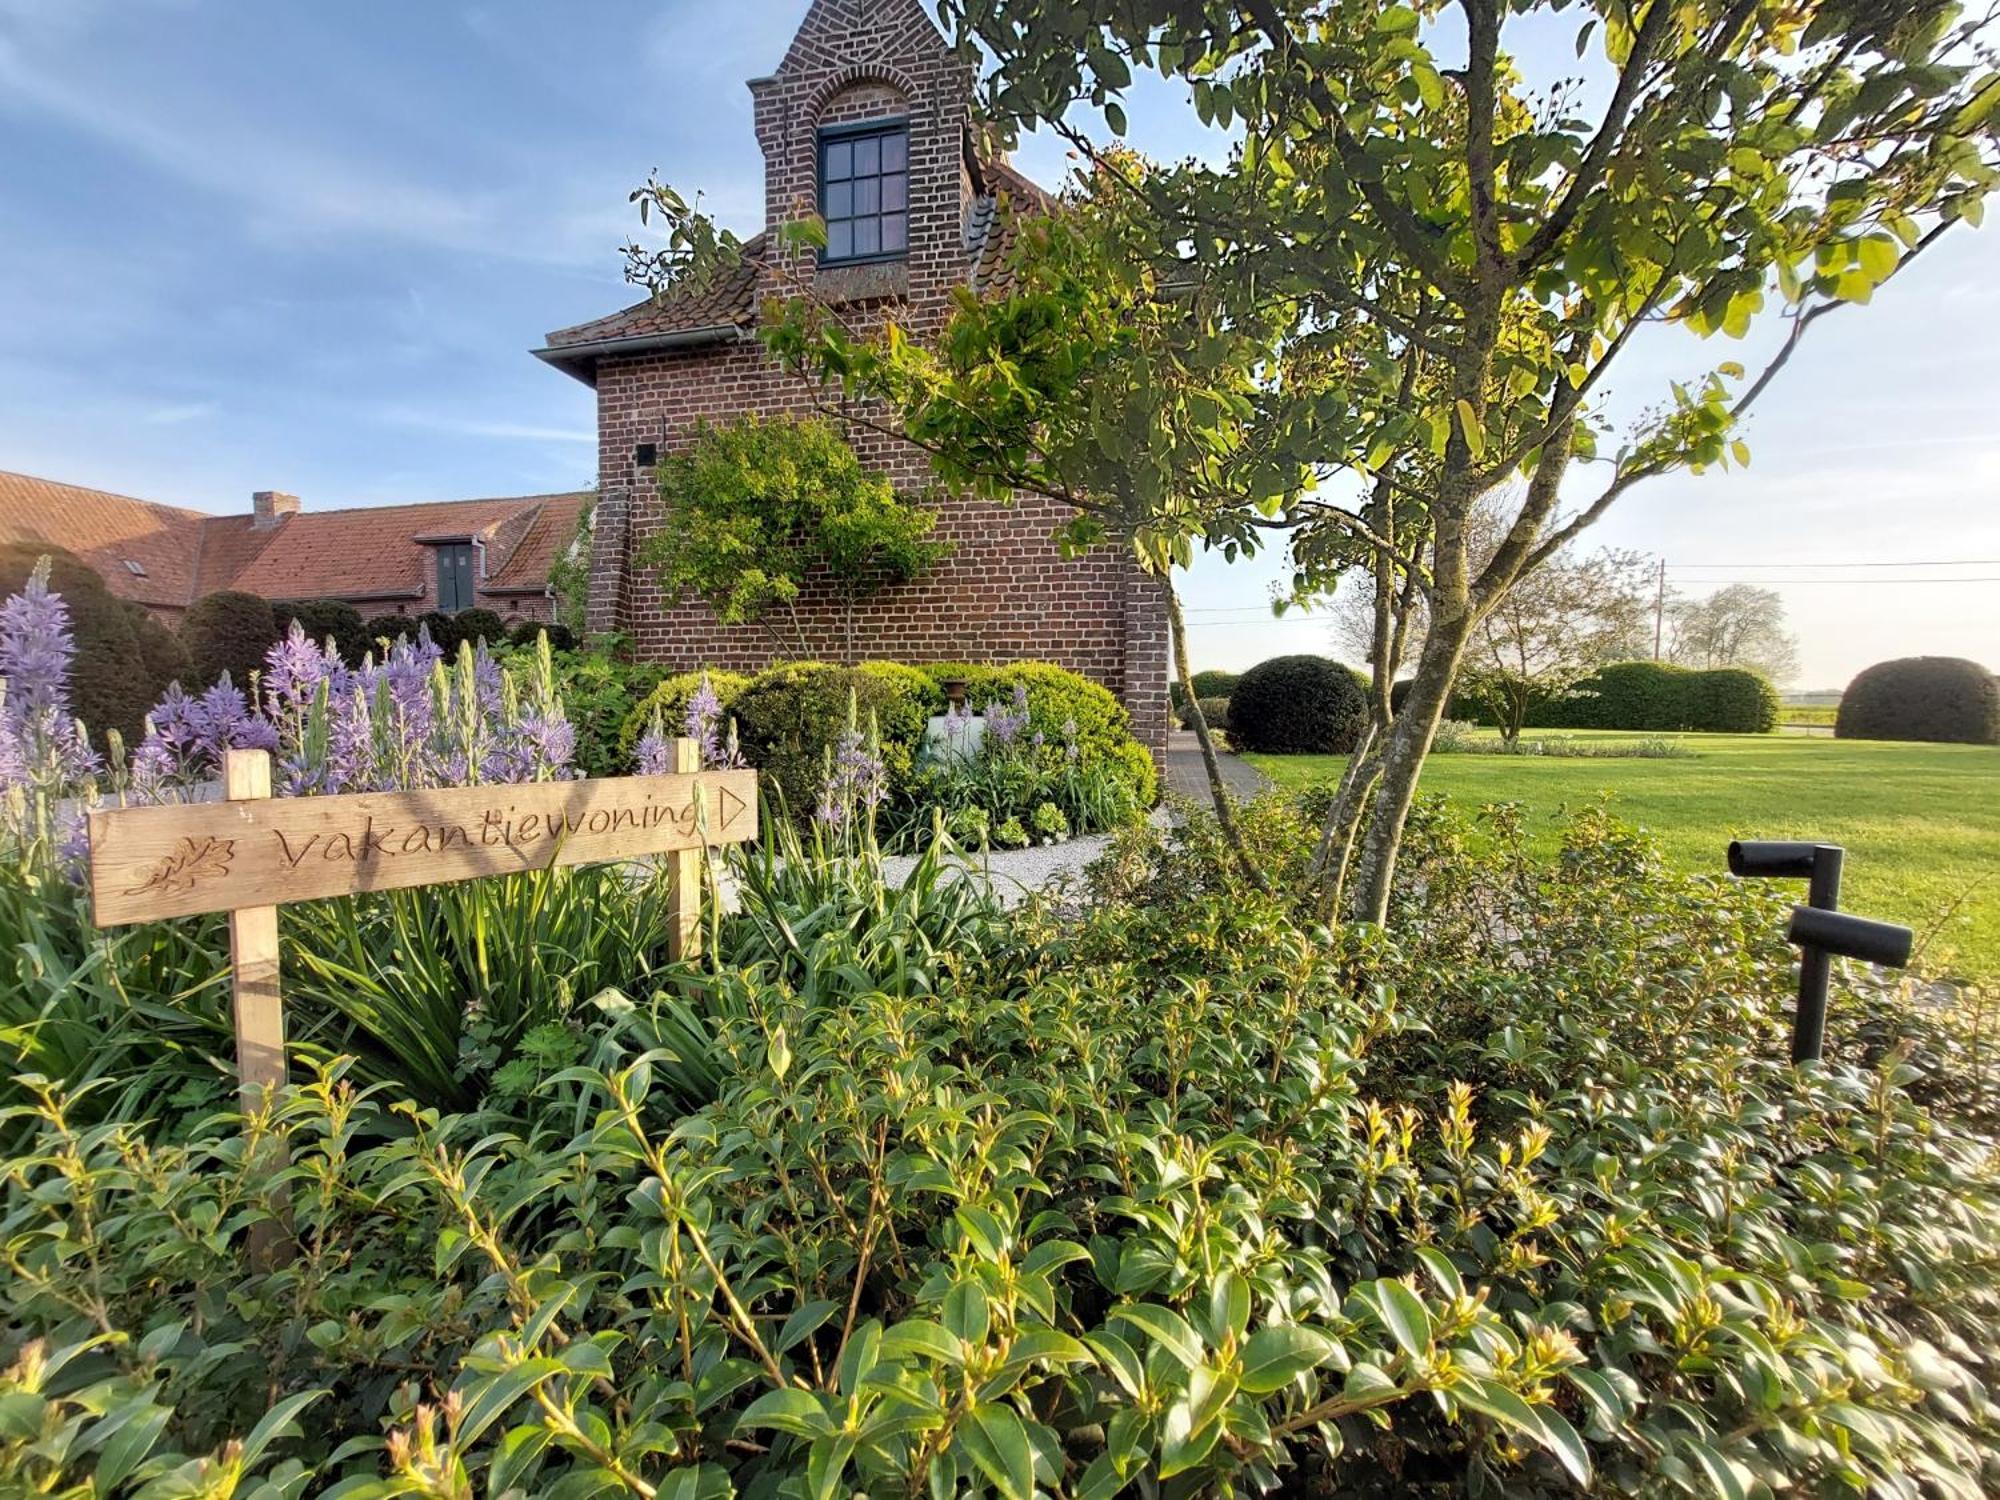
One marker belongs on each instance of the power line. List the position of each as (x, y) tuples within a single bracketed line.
[(1949, 562)]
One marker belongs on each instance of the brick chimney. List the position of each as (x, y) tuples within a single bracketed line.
[(269, 507)]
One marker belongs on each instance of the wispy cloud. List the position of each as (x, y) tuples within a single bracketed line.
[(527, 432), (186, 411)]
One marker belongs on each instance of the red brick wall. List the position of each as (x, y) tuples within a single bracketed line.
[(1005, 592)]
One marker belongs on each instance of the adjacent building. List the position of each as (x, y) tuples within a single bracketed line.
[(387, 559)]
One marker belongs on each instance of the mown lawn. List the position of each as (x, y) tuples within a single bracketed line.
[(1921, 823)]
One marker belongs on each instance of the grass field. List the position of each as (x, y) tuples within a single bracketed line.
[(1921, 823)]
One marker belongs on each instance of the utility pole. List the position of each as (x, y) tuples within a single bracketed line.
[(1659, 609)]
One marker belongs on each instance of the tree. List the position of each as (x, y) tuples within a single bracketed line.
[(1403, 185), (759, 505), (1739, 625), (1439, 263), (1542, 637)]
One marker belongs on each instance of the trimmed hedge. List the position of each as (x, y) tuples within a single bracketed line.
[(1298, 705), (670, 700), (561, 637), (228, 632), (124, 657), (478, 625), (1058, 696), (1942, 699), (790, 716), (1214, 683), (1731, 700), (1215, 711), (1659, 698), (321, 618)]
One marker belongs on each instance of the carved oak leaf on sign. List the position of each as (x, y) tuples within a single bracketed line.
[(192, 863)]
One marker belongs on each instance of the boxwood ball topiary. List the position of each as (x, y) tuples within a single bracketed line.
[(228, 632), (1946, 699), (1297, 705)]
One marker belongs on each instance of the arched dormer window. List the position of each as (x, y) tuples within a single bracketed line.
[(864, 190)]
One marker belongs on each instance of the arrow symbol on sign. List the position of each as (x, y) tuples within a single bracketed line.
[(731, 806)]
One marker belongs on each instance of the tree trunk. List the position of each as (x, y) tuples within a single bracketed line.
[(1225, 811), (1403, 761)]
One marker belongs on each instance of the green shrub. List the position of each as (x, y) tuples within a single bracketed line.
[(1297, 705), (790, 715), (1938, 698), (561, 637), (670, 700), (442, 628), (598, 691), (478, 625), (323, 618), (228, 632), (124, 657), (1641, 695), (1214, 683), (1216, 712), (390, 628), (1059, 697), (1731, 700), (1172, 1195)]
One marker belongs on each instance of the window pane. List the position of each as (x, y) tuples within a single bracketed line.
[(895, 151), (867, 156), (839, 200), (867, 195), (895, 190), (893, 233), (867, 237), (840, 240), (839, 159)]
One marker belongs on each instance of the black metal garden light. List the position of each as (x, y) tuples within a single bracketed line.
[(1819, 929)]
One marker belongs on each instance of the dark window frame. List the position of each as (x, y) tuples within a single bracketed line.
[(848, 134), (456, 578)]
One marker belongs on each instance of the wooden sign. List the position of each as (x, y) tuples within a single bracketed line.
[(253, 853), (149, 862)]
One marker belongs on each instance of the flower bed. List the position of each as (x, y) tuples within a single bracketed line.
[(1166, 1189)]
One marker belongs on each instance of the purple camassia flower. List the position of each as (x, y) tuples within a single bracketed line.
[(13, 753), (1004, 725), (537, 747), (1069, 740), (294, 669), (36, 649), (703, 725), (856, 778), (224, 720), (654, 754)]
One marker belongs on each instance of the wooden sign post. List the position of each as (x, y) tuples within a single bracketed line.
[(252, 853)]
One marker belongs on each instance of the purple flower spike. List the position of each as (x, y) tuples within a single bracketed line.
[(36, 647)]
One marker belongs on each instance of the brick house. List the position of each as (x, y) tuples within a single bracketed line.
[(390, 559), (868, 121)]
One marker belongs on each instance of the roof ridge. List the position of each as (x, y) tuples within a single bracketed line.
[(91, 489), (352, 510)]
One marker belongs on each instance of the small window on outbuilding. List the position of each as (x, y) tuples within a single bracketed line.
[(864, 191)]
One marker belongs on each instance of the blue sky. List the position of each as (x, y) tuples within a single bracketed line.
[(307, 247)]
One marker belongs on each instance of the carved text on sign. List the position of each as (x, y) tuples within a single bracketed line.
[(175, 861)]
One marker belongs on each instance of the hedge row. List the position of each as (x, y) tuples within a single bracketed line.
[(787, 715)]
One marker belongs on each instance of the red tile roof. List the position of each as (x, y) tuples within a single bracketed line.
[(360, 554), (108, 532)]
